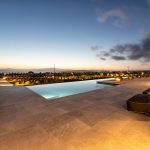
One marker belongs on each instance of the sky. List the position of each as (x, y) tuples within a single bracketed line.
[(75, 34)]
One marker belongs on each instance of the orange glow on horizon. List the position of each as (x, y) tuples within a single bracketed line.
[(71, 66)]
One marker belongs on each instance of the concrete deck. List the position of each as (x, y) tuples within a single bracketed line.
[(5, 83), (96, 120)]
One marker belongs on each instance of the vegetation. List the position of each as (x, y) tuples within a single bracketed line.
[(32, 78)]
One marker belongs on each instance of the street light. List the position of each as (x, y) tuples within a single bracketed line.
[(54, 71)]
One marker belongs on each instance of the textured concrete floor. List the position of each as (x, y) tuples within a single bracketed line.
[(5, 83), (96, 120)]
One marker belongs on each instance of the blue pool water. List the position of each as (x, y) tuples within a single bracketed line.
[(57, 90)]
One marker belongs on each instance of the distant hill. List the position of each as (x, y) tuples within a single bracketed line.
[(9, 70), (12, 70)]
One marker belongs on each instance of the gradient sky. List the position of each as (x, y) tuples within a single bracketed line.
[(72, 33)]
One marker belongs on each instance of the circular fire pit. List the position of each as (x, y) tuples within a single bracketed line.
[(139, 103)]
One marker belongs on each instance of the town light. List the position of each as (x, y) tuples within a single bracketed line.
[(119, 79)]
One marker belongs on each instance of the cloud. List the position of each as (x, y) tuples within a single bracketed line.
[(96, 48), (118, 57), (144, 32), (132, 51), (100, 56), (106, 54), (120, 18)]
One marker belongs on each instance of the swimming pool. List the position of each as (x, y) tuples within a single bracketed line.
[(57, 90)]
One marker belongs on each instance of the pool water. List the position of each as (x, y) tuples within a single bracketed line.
[(57, 90)]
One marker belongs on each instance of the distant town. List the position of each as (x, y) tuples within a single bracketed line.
[(31, 78)]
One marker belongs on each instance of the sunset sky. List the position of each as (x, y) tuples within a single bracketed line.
[(75, 34)]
